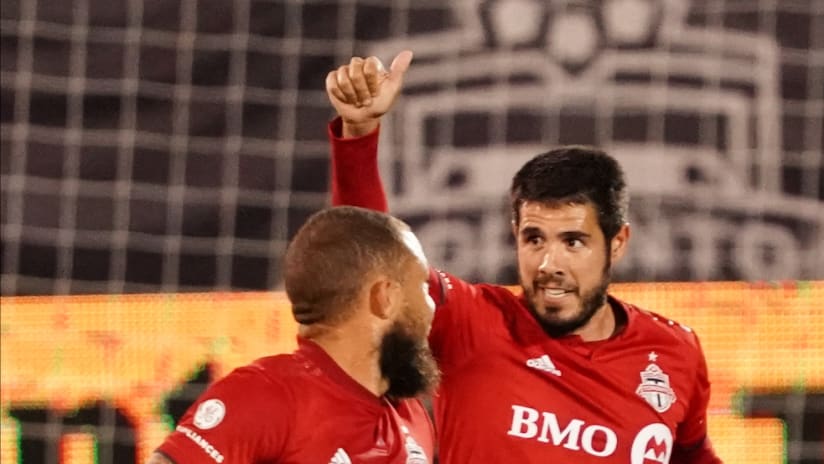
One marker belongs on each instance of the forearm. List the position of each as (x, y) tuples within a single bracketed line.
[(355, 177)]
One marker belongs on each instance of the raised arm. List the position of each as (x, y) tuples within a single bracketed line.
[(361, 92)]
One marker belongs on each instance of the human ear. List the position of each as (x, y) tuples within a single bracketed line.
[(618, 244), (384, 297)]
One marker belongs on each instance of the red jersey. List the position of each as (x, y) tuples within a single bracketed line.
[(511, 393), (299, 408)]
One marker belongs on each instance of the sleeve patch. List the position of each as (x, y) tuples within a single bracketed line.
[(209, 414)]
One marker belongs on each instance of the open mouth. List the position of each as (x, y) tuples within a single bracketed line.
[(556, 292)]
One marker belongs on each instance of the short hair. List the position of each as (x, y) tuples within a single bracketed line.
[(574, 174), (333, 254)]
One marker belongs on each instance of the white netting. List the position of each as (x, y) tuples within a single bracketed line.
[(176, 146), (155, 146), (714, 109)]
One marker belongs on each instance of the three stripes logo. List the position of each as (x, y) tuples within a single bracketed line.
[(340, 457), (544, 363)]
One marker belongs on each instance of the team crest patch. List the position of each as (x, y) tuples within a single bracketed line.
[(655, 388), (209, 414)]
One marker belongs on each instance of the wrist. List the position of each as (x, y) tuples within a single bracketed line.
[(358, 129)]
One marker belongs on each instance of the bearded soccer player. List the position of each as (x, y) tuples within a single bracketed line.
[(357, 281), (563, 371)]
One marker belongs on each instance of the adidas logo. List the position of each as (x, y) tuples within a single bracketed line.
[(340, 457), (543, 363)]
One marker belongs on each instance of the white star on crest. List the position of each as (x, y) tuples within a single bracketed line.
[(653, 356)]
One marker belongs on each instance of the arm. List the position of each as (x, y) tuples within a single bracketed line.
[(361, 92), (355, 176), (244, 417)]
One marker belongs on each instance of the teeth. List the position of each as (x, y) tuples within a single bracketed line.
[(554, 292)]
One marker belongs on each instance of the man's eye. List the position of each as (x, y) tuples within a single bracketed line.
[(574, 243)]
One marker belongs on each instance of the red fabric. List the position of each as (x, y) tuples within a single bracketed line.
[(355, 177), (299, 407), (510, 393)]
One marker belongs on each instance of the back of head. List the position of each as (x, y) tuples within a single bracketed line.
[(332, 256), (574, 174)]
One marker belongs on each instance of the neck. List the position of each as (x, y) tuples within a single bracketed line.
[(355, 353), (602, 325)]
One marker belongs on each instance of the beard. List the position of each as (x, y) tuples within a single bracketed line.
[(407, 363), (591, 301)]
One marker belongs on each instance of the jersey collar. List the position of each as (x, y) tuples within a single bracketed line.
[(319, 363)]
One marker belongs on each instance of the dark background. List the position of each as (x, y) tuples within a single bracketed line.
[(176, 146)]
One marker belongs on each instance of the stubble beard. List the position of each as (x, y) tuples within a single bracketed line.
[(591, 301)]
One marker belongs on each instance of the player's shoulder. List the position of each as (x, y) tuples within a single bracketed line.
[(280, 368), (500, 293), (269, 375), (247, 391), (454, 288), (654, 324)]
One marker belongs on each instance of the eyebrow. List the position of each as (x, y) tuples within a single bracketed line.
[(531, 230), (574, 234)]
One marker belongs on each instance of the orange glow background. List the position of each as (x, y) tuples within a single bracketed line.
[(133, 350)]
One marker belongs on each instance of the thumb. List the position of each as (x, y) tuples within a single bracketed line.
[(400, 64)]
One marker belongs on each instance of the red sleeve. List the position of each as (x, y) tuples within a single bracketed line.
[(243, 417), (692, 446), (463, 318), (447, 291), (355, 176)]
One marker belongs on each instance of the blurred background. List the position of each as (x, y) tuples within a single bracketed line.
[(159, 147), (176, 146)]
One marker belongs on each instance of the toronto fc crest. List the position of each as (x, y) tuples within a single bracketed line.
[(655, 388)]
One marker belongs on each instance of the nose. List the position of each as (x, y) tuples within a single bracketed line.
[(550, 262)]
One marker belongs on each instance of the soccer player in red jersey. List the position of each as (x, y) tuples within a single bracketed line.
[(357, 281), (563, 371)]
